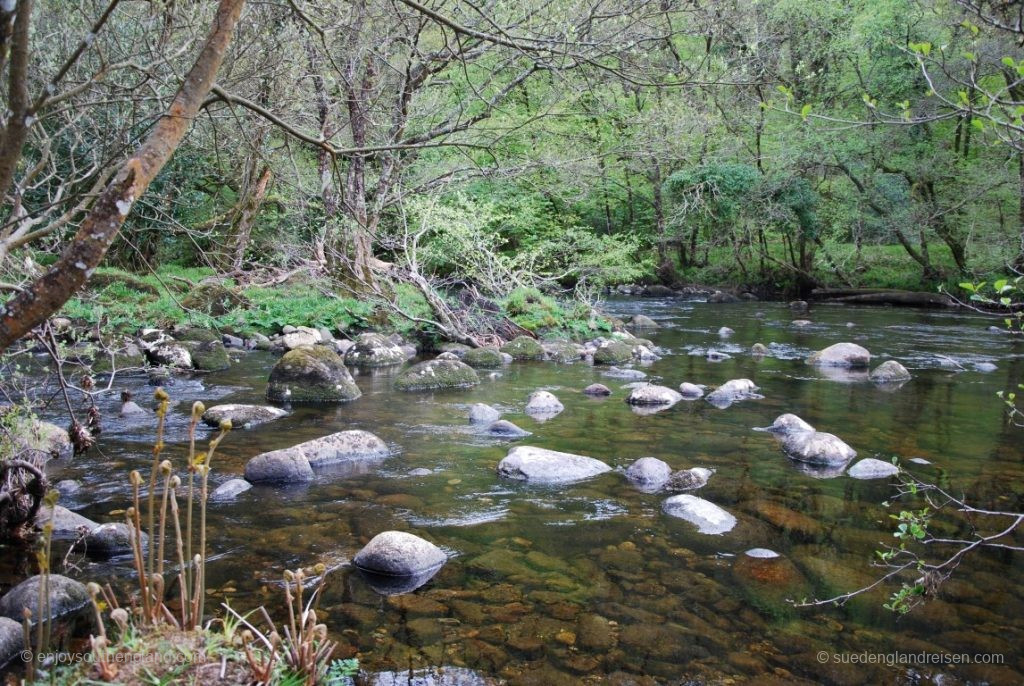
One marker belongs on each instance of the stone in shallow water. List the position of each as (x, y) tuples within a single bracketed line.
[(483, 358), (847, 355), (619, 373), (889, 372), (725, 332), (870, 468), (689, 479), (690, 390), (732, 391), (437, 375), (523, 348), (649, 472), (396, 562), (817, 448), (705, 515), (763, 553), (483, 414), (538, 465), (543, 403), (311, 374), (65, 596), (231, 489), (506, 429), (597, 389), (11, 639), (985, 367), (349, 450), (374, 350), (241, 415), (649, 394)]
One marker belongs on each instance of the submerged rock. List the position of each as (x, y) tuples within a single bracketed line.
[(870, 468), (480, 413), (170, 354), (523, 348), (65, 596), (817, 448), (241, 416), (716, 356), (649, 472), (483, 358), (733, 391), (543, 403), (705, 515), (374, 350), (230, 489), (649, 394), (619, 373), (725, 332), (985, 367), (846, 355), (562, 351), (597, 389), (889, 372), (397, 562), (296, 464), (538, 465), (759, 350), (722, 297), (437, 375), (689, 479), (506, 429), (312, 374)]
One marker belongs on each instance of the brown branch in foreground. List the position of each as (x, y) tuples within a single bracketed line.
[(46, 295)]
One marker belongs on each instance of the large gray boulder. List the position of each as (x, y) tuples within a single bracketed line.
[(397, 553), (311, 374), (241, 416), (649, 473), (889, 372), (649, 394), (562, 351), (170, 354), (437, 375), (613, 353), (100, 540), (597, 390), (845, 355), (619, 373), (538, 465), (690, 390), (12, 640), (705, 515), (641, 321), (374, 350), (345, 451), (301, 337), (817, 448), (112, 538), (65, 596)]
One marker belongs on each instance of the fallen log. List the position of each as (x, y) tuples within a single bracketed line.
[(884, 296)]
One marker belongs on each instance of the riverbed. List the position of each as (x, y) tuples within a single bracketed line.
[(592, 582)]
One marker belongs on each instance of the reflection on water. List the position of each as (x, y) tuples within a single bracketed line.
[(548, 585)]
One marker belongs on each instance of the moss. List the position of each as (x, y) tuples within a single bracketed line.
[(199, 335), (523, 348), (614, 353), (483, 358), (435, 375), (214, 299), (563, 351), (311, 374)]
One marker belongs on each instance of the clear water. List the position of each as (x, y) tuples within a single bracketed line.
[(569, 584)]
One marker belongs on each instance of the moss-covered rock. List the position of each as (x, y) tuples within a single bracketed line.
[(563, 351), (614, 353), (374, 350), (483, 358), (523, 348), (312, 374), (214, 298), (198, 335), (436, 374), (459, 349), (208, 356)]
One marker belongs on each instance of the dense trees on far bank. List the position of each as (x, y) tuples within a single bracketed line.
[(450, 147)]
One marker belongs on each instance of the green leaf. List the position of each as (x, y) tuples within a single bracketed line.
[(1009, 62), (978, 124), (805, 110), (999, 285)]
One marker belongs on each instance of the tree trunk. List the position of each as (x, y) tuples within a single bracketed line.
[(98, 230), (242, 227)]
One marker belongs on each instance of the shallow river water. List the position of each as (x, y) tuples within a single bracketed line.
[(591, 582)]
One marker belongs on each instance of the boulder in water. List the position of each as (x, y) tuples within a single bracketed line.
[(65, 597), (649, 394), (889, 372), (689, 479), (597, 389), (649, 473), (349, 450), (538, 465), (733, 391), (241, 416), (641, 321), (483, 414), (437, 375), (396, 562), (506, 429), (543, 403), (817, 448), (483, 358), (12, 640), (845, 355), (619, 373), (523, 348), (722, 297), (374, 350), (230, 489), (870, 468), (690, 391), (311, 374)]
